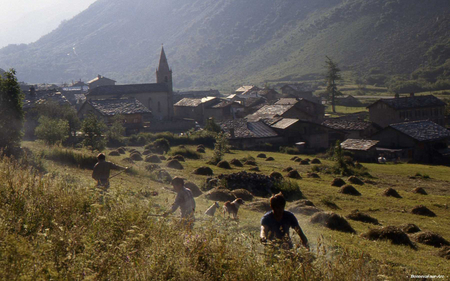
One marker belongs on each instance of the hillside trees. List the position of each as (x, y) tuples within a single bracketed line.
[(52, 130), (11, 112), (92, 129), (332, 76)]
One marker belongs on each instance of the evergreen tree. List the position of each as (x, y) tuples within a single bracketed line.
[(11, 112), (332, 76), (92, 129)]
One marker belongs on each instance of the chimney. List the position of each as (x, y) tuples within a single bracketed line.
[(397, 95), (99, 76), (32, 91), (411, 95), (232, 132)]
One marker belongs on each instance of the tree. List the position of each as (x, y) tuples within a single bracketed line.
[(54, 110), (116, 130), (52, 130), (92, 129), (11, 111), (332, 76), (212, 126), (220, 148)]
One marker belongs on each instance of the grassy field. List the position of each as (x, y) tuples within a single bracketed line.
[(52, 226)]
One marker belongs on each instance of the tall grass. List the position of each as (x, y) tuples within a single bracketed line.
[(82, 160), (54, 228)]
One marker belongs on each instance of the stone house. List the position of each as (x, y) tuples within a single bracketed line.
[(193, 108), (400, 109), (315, 111), (243, 89), (354, 129), (420, 141), (100, 81), (279, 110), (269, 94), (362, 150)]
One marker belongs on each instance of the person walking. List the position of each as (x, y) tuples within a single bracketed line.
[(102, 171)]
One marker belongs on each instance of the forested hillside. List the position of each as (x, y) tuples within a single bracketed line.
[(228, 42)]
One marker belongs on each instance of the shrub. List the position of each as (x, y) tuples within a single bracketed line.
[(289, 150), (52, 131), (92, 129), (70, 157), (290, 189), (186, 153)]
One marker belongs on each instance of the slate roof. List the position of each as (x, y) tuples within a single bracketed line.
[(128, 89), (284, 123), (210, 93), (111, 107), (347, 125), (224, 103), (357, 144), (41, 97), (247, 130), (422, 130), (99, 77), (269, 111), (287, 101), (412, 102), (246, 88), (189, 102)]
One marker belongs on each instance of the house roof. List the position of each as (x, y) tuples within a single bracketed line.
[(265, 92), (190, 102), (286, 101), (347, 125), (215, 93), (224, 103), (422, 130), (128, 89), (99, 77), (411, 102), (245, 130), (269, 111), (358, 144), (246, 88), (111, 107), (284, 123)]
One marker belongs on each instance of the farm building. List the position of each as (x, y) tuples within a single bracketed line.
[(362, 150)]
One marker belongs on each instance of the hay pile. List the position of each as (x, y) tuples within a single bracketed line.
[(419, 190), (358, 216), (270, 159), (128, 160), (194, 188), (178, 157), (114, 153), (338, 182), (236, 162), (259, 206), (162, 157), (304, 162), (410, 228), (355, 180), (332, 221), (349, 190), (316, 161), (219, 194), (175, 164), (204, 171), (200, 150), (391, 233), (162, 176), (136, 156), (313, 175), (121, 150), (250, 163), (254, 169), (422, 211), (288, 169), (244, 194), (261, 155), (304, 207), (294, 158), (153, 159), (294, 175), (298, 160), (146, 152), (152, 167), (444, 252), (430, 238), (257, 184), (224, 164), (276, 175), (304, 202), (391, 192)]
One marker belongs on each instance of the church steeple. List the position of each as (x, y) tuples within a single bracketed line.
[(163, 72)]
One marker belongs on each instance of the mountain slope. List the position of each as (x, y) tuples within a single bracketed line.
[(229, 42)]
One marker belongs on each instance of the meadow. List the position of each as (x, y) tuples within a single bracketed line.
[(52, 225)]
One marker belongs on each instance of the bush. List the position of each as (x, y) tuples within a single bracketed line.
[(92, 129), (289, 150), (186, 153), (70, 157), (290, 189), (52, 131)]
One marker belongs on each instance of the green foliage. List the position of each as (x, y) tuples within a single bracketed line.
[(159, 145), (54, 110), (332, 76), (70, 157), (116, 131), (220, 148), (212, 126), (11, 112), (92, 129), (340, 166), (186, 152), (52, 131), (290, 189)]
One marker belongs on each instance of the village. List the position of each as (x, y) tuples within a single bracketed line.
[(408, 128)]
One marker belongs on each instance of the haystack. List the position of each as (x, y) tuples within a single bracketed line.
[(146, 152), (219, 194), (204, 171), (294, 158), (128, 160), (355, 180), (358, 216), (338, 182), (153, 159), (250, 163), (444, 252), (261, 155), (254, 169), (349, 190), (288, 169), (136, 157), (201, 146), (332, 221), (121, 150), (175, 164), (200, 150), (132, 150), (298, 160), (162, 175), (391, 192), (419, 190), (178, 157), (304, 162), (259, 206), (391, 233), (304, 210), (224, 164), (304, 202), (316, 161), (430, 238), (270, 159), (423, 211), (152, 167), (410, 228), (236, 162), (276, 175), (194, 188), (162, 157), (244, 194), (313, 175), (114, 153), (294, 175)]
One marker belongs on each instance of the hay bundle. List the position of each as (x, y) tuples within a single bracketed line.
[(254, 169), (259, 206), (136, 156), (358, 216), (355, 180), (316, 161), (444, 252), (304, 210), (178, 157), (276, 175), (132, 150), (114, 153), (175, 164), (298, 160), (304, 202), (121, 150), (410, 228), (162, 157), (224, 164), (422, 211), (304, 162), (419, 190), (153, 159), (146, 152), (194, 188), (349, 190), (244, 194), (204, 171), (288, 169), (250, 163), (391, 192), (152, 167), (338, 182), (294, 175), (201, 146), (128, 160), (313, 175), (430, 238), (270, 159), (200, 150), (261, 155), (236, 162), (162, 175), (391, 233), (294, 158), (219, 194), (332, 221)]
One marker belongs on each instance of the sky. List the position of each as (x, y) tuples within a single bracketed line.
[(25, 21)]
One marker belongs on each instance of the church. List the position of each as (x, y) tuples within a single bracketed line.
[(157, 97)]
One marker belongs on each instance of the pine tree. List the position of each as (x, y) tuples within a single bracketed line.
[(332, 76)]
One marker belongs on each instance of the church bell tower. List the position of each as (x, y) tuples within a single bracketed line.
[(164, 76)]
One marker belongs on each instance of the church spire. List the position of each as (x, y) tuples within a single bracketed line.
[(163, 64), (163, 72)]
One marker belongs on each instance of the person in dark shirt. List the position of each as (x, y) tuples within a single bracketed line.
[(102, 171), (275, 225)]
